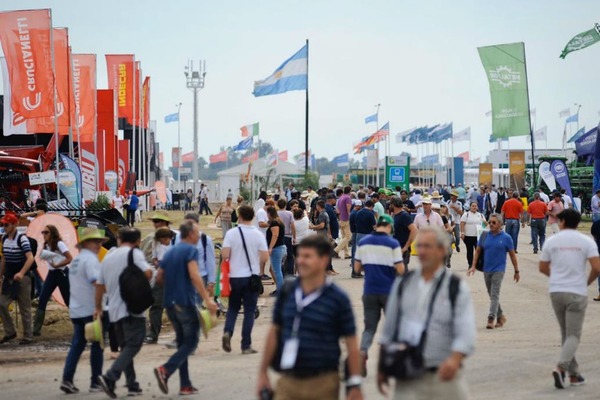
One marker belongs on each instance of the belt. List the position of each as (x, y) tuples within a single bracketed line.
[(307, 374)]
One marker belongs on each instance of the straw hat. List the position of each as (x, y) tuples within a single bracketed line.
[(454, 193), (93, 332), (160, 216), (88, 233), (436, 195), (207, 322), (304, 194)]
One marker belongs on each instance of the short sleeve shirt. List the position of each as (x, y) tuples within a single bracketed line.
[(378, 253), (342, 206), (554, 208), (323, 218), (13, 251), (402, 223), (255, 243), (495, 249), (537, 209), (83, 273), (512, 209), (178, 288)]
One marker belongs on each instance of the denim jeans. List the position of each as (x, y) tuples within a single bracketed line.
[(538, 233), (352, 250), (186, 324), (493, 283), (512, 227), (374, 305), (130, 335), (78, 344), (155, 313), (277, 261), (288, 265), (357, 238), (241, 293), (55, 279)]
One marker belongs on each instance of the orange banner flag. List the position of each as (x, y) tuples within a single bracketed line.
[(120, 68), (25, 38), (146, 102), (83, 100)]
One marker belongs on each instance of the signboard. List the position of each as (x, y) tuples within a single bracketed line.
[(41, 178), (516, 169), (485, 174), (372, 159), (185, 170), (397, 172)]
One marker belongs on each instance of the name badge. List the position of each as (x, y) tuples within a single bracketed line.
[(290, 353)]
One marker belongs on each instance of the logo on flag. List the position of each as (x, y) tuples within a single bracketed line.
[(505, 76)]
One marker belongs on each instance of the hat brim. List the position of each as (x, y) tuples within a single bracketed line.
[(102, 240)]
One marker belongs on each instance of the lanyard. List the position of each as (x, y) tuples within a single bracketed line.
[(302, 303)]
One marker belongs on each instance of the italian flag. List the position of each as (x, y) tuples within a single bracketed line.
[(250, 130)]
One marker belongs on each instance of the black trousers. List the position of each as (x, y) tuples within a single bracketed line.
[(470, 244)]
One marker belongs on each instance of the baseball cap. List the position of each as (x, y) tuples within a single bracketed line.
[(356, 202), (385, 220), (10, 219)]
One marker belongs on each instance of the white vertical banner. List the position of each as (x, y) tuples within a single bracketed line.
[(13, 124)]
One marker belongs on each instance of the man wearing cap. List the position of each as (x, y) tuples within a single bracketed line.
[(379, 255), (16, 279), (83, 274), (428, 217), (555, 207), (377, 206), (179, 274), (455, 207), (596, 206)]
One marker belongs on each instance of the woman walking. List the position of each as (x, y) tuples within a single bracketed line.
[(470, 223), (225, 213), (276, 244), (57, 256)]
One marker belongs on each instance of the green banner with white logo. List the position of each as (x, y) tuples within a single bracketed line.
[(504, 66), (581, 41)]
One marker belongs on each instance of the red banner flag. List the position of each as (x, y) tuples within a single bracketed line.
[(219, 157), (83, 99), (120, 68), (106, 130), (146, 102), (175, 157), (123, 163), (25, 37), (250, 157), (283, 155), (464, 155), (188, 157)]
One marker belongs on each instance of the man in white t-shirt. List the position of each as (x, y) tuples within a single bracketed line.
[(130, 328), (564, 259), (117, 202), (247, 251)]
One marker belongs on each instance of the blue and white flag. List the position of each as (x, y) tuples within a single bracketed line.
[(577, 135), (441, 133), (244, 144), (572, 118), (371, 118), (172, 118), (341, 161), (291, 75)]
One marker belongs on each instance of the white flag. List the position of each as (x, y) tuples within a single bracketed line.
[(487, 114), (404, 135), (465, 134), (13, 124), (540, 134), (564, 113)]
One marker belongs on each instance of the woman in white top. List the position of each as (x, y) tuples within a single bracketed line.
[(470, 223), (117, 202), (57, 256)]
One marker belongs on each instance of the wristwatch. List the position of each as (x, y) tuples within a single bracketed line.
[(355, 381)]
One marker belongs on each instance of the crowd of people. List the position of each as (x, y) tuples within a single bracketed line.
[(429, 327)]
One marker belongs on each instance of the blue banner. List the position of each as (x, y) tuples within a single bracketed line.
[(459, 170), (561, 174), (342, 160), (70, 164), (585, 145), (68, 187), (596, 164)]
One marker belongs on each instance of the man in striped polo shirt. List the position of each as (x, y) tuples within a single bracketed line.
[(380, 256), (16, 279)]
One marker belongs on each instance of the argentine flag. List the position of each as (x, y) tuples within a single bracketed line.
[(291, 75)]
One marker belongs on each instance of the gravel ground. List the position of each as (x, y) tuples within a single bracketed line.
[(514, 362)]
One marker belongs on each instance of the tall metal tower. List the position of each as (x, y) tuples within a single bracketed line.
[(195, 82)]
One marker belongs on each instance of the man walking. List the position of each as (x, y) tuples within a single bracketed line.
[(344, 206), (287, 217), (495, 245), (130, 328), (595, 205), (311, 315), (564, 260), (83, 274), (405, 231), (512, 214), (428, 217), (204, 200), (180, 277), (555, 207), (379, 255), (16, 279), (537, 210), (431, 293), (246, 249), (455, 207)]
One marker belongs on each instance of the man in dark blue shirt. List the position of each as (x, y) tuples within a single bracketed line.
[(334, 225), (405, 231), (311, 315), (179, 275), (356, 207)]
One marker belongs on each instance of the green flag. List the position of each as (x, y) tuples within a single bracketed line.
[(583, 40), (504, 66)]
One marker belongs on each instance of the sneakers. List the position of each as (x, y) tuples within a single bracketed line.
[(559, 378), (150, 340), (68, 387), (595, 299), (576, 380), (135, 391), (226, 342), (188, 391), (458, 249), (171, 345), (108, 385), (501, 321), (96, 388), (249, 350), (161, 378), (8, 338), (535, 251), (25, 341), (490, 323), (265, 277), (357, 276)]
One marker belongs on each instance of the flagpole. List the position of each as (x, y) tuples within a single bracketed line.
[(69, 90), (141, 126), (72, 83), (529, 116), (306, 119), (55, 107), (133, 135), (179, 146), (96, 128)]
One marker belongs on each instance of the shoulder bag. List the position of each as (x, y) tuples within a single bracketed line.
[(256, 284)]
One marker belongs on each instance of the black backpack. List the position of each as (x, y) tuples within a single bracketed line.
[(135, 287), (32, 243)]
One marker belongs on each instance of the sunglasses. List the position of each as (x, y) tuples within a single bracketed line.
[(493, 223), (45, 232)]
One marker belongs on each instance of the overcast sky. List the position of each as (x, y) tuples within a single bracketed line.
[(418, 59)]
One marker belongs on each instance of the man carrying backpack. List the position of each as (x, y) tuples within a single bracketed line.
[(16, 279), (430, 313), (130, 326)]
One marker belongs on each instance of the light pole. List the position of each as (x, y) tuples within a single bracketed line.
[(578, 108), (179, 145), (195, 82)]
